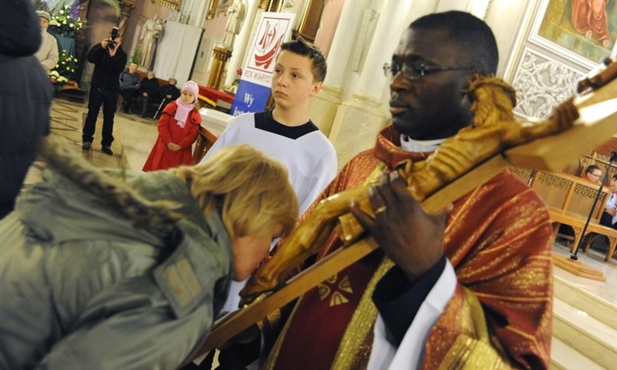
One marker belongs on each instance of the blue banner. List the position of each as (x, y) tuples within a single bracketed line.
[(250, 97)]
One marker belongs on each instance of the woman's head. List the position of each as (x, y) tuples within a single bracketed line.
[(255, 198)]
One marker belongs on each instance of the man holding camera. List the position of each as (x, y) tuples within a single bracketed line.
[(109, 61)]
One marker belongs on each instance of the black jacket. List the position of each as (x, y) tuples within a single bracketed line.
[(151, 86), (169, 90), (107, 69)]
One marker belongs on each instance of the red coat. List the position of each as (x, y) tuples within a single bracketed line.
[(161, 157)]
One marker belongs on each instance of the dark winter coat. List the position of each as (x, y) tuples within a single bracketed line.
[(25, 97)]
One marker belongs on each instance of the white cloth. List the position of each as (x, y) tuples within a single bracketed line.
[(385, 356), (176, 51), (419, 146), (310, 159)]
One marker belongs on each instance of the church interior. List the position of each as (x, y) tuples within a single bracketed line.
[(541, 55)]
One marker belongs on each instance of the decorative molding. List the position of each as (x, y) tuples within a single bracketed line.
[(522, 173), (127, 3), (171, 4), (542, 83), (365, 101), (554, 181), (589, 192)]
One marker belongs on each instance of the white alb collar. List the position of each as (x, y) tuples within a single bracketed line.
[(410, 145)]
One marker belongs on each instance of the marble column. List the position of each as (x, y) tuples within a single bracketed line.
[(342, 49), (385, 38), (126, 7)]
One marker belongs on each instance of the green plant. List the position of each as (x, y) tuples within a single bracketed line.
[(135, 56), (64, 69), (63, 23), (115, 4)]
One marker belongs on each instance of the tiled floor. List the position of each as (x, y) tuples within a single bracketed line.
[(594, 259), (134, 136)]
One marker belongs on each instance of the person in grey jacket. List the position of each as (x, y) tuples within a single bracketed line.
[(25, 97), (114, 269), (129, 84)]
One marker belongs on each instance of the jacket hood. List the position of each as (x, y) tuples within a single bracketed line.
[(20, 32), (58, 210)]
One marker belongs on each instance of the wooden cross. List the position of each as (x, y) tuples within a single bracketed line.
[(598, 111)]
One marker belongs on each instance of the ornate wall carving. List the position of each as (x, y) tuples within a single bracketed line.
[(542, 83)]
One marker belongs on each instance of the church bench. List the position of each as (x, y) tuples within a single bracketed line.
[(593, 231), (144, 74), (154, 103), (570, 199)]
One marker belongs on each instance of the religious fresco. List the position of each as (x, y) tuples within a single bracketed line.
[(588, 28)]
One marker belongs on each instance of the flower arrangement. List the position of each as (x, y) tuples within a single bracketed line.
[(64, 69), (65, 24), (56, 79)]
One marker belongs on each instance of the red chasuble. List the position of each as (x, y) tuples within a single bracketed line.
[(497, 239)]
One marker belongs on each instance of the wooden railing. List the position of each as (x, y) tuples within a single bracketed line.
[(570, 199)]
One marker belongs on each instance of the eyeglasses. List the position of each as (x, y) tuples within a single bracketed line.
[(416, 71)]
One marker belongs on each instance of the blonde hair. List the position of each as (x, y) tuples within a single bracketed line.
[(251, 190)]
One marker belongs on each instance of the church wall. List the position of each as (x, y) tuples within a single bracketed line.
[(353, 105), (143, 10), (329, 21)]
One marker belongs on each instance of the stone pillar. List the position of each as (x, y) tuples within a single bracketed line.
[(126, 6), (342, 49), (221, 56), (384, 40), (376, 28)]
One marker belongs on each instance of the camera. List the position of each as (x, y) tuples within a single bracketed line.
[(114, 35)]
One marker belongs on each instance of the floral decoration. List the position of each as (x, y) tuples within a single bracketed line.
[(64, 71), (56, 79), (65, 24)]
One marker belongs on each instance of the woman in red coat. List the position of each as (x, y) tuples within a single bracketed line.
[(178, 129)]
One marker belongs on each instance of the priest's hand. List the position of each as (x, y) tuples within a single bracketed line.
[(412, 238)]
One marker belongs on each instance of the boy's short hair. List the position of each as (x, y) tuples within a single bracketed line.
[(301, 47), (173, 81)]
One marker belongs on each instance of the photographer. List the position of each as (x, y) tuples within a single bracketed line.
[(109, 60)]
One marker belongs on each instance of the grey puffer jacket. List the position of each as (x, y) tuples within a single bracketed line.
[(84, 288)]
